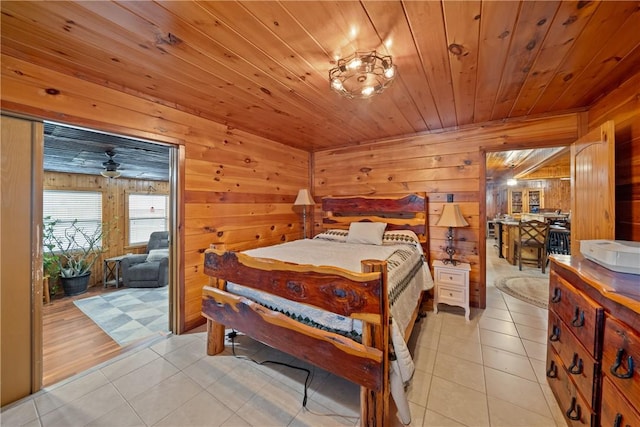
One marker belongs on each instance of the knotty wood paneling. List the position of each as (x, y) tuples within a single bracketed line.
[(438, 164), (238, 189), (262, 66), (623, 107)]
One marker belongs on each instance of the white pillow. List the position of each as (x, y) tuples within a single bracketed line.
[(368, 233), (157, 254)]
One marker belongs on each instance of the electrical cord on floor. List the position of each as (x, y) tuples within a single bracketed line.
[(233, 334)]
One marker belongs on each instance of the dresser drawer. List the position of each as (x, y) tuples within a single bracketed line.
[(450, 277), (451, 295), (581, 314), (616, 409), (576, 410), (583, 369), (622, 350)]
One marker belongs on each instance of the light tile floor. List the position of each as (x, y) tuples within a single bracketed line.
[(487, 372)]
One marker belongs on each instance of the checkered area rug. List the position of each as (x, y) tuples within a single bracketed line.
[(130, 314)]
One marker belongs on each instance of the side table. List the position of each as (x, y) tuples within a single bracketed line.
[(111, 271), (451, 285)]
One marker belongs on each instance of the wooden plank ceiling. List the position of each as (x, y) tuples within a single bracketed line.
[(263, 66)]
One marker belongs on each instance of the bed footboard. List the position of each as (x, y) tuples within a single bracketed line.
[(362, 296)]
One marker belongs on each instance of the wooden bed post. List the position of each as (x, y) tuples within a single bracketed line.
[(215, 330), (374, 405)]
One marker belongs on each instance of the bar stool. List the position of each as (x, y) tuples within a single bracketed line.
[(532, 234)]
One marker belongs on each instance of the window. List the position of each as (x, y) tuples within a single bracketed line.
[(147, 213), (68, 206)]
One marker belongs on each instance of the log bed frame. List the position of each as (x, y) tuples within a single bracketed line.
[(361, 296)]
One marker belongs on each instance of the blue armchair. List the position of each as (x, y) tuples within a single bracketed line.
[(149, 270)]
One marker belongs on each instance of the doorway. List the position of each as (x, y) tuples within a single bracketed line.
[(522, 184), (84, 330)]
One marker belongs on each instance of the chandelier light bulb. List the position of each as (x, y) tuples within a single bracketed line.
[(390, 72), (367, 91)]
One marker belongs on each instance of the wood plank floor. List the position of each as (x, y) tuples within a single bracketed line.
[(72, 342)]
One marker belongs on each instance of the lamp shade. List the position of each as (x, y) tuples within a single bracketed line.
[(110, 173), (304, 198), (451, 217)]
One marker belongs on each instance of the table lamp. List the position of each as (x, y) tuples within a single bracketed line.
[(304, 199), (451, 217)]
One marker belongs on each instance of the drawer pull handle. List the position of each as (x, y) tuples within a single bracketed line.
[(574, 411), (617, 422), (555, 335), (552, 372), (618, 362), (578, 318), (556, 295), (576, 365)]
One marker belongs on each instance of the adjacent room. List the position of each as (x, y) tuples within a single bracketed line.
[(106, 213), (370, 213)]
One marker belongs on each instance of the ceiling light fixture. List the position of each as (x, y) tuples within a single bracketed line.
[(110, 166), (362, 74)]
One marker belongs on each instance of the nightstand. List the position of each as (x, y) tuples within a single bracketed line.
[(451, 285)]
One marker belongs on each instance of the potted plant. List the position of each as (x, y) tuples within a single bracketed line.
[(74, 250), (51, 272)]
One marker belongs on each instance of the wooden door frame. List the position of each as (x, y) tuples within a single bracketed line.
[(483, 204), (176, 316)]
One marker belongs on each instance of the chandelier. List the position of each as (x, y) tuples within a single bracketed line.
[(362, 74)]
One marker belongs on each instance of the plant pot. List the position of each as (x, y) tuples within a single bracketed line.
[(75, 285)]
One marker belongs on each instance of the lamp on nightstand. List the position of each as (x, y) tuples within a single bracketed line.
[(304, 199), (451, 217)]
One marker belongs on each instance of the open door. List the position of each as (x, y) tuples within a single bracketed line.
[(20, 258), (593, 186)]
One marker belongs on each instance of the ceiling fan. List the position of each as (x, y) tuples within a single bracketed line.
[(110, 166)]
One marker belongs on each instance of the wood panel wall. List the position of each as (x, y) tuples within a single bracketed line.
[(439, 164), (622, 105), (114, 195), (237, 189)]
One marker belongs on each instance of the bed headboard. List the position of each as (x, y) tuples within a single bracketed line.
[(400, 212)]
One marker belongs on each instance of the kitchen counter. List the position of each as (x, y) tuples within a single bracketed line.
[(545, 216), (505, 237)]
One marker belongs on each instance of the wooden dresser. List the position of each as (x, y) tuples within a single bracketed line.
[(593, 347)]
